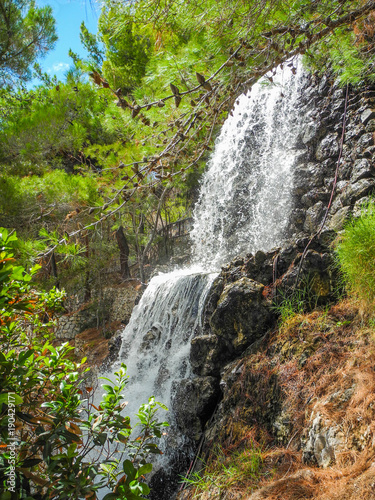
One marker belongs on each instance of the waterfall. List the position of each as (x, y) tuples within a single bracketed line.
[(156, 342), (244, 206), (245, 197)]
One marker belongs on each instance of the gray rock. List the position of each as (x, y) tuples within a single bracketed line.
[(354, 192), (338, 220), (314, 196), (193, 403), (362, 169), (313, 132), (242, 314), (324, 453), (150, 339), (360, 206), (367, 115), (328, 147), (207, 355), (314, 217), (306, 177), (323, 441), (370, 127), (365, 141)]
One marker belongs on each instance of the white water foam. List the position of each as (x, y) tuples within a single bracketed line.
[(245, 196)]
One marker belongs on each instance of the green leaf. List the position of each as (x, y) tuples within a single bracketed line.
[(108, 388), (145, 469), (129, 470), (31, 462)]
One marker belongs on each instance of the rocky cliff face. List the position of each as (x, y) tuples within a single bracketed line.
[(320, 144), (240, 357)]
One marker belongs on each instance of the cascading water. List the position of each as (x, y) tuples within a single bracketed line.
[(245, 197), (156, 342), (244, 206)]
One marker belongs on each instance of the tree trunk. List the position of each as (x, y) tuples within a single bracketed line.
[(87, 286), (124, 252), (54, 270)]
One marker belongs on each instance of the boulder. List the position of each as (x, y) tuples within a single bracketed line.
[(338, 220), (322, 442), (365, 141), (361, 169), (356, 191), (193, 403), (242, 314), (314, 217), (207, 355), (328, 147), (367, 115)]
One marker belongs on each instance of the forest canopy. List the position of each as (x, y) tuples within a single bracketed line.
[(132, 126)]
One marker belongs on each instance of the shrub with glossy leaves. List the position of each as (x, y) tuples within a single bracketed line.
[(55, 443)]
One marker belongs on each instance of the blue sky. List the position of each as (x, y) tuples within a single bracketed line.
[(68, 14)]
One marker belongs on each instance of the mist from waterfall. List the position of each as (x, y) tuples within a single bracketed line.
[(244, 206)]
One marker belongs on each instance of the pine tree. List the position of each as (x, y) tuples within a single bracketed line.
[(26, 33)]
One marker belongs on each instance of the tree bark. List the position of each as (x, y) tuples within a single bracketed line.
[(54, 270), (124, 253)]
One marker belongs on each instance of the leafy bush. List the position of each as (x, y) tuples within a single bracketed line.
[(356, 255), (55, 443)]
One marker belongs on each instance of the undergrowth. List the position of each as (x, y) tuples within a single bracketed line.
[(321, 364), (240, 471), (356, 256), (297, 300)]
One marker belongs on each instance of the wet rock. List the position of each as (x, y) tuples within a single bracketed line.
[(314, 217), (242, 314), (328, 147), (314, 196), (367, 115), (365, 141), (260, 267), (114, 346), (362, 168), (370, 127), (354, 192), (338, 220), (360, 206), (313, 132), (207, 355), (193, 403), (150, 339), (315, 273), (307, 176)]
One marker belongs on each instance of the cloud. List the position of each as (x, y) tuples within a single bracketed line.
[(60, 67)]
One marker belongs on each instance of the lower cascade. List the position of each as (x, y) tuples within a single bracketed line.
[(244, 206)]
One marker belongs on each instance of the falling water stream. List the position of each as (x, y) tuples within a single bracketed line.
[(244, 206)]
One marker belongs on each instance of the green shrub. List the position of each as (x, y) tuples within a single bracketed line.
[(356, 255), (56, 444)]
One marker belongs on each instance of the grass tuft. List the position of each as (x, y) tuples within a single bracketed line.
[(356, 256)]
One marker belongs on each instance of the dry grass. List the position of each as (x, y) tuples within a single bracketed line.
[(321, 363)]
